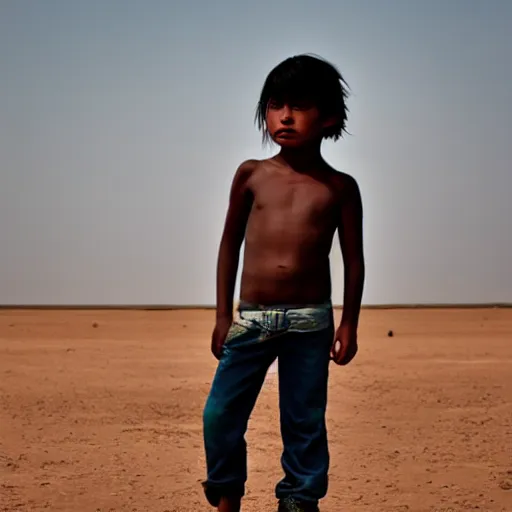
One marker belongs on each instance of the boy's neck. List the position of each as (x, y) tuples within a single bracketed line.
[(302, 159)]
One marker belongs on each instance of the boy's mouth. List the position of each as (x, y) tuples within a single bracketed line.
[(285, 131)]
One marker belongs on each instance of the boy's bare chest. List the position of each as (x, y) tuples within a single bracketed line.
[(305, 198)]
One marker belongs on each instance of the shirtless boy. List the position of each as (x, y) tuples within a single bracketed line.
[(287, 208)]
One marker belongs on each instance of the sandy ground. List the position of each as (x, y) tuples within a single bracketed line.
[(108, 418)]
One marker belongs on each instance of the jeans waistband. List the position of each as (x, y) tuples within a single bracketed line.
[(287, 317), (249, 306)]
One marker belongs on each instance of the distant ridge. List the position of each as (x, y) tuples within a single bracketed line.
[(169, 307)]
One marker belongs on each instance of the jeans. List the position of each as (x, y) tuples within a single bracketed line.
[(301, 338)]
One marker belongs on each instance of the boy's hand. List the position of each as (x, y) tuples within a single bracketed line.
[(219, 335), (344, 347)]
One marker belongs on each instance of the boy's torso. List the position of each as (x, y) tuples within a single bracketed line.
[(289, 234)]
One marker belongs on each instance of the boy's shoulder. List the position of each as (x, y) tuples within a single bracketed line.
[(242, 181), (248, 169), (344, 183)]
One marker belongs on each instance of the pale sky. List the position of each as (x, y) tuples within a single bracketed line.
[(122, 123)]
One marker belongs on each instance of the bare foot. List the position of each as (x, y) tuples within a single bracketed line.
[(229, 505)]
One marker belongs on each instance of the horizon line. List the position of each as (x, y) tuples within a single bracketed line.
[(170, 307)]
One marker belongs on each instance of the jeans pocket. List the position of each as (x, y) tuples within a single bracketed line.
[(242, 332)]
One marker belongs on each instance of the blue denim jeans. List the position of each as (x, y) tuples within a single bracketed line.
[(301, 338)]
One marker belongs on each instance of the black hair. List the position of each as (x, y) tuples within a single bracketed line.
[(306, 77)]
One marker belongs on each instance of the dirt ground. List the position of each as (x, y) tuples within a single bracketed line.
[(101, 411)]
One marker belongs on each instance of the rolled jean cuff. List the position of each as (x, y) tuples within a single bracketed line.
[(214, 492)]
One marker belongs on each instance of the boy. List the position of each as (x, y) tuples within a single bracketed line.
[(287, 208)]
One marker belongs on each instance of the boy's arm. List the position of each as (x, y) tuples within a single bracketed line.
[(350, 232), (240, 202)]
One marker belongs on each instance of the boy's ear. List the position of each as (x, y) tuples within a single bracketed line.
[(330, 121)]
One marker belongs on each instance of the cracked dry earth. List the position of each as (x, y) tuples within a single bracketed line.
[(100, 411)]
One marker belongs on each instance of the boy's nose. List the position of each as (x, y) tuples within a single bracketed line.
[(286, 116)]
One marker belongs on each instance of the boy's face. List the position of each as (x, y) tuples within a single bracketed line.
[(294, 123)]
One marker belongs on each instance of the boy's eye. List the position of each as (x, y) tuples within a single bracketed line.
[(301, 105), (275, 105)]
